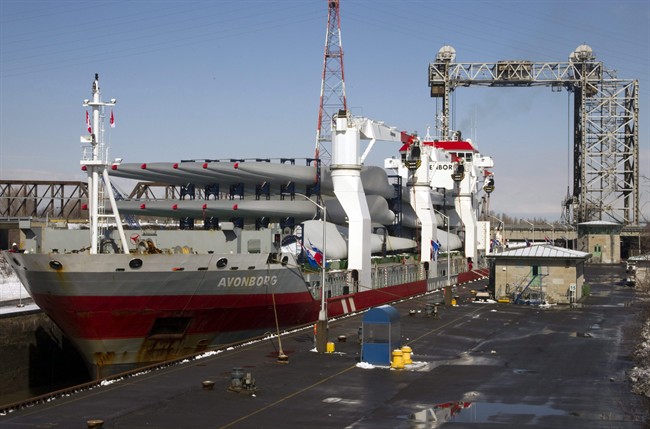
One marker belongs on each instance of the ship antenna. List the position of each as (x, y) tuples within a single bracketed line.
[(94, 162)]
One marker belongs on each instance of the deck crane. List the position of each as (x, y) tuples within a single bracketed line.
[(346, 166)]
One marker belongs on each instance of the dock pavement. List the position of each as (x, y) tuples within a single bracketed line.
[(474, 365)]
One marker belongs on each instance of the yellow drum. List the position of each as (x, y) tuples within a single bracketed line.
[(398, 359), (406, 355)]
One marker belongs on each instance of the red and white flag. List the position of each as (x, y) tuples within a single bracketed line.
[(90, 129), (112, 120)]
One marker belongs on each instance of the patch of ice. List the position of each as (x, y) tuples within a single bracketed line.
[(11, 288)]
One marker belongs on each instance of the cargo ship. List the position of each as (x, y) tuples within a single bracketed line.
[(257, 246)]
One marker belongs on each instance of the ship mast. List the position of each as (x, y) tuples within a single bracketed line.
[(94, 162), (332, 90)]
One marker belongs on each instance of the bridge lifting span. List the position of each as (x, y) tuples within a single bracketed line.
[(605, 118)]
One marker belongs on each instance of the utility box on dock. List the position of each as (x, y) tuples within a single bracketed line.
[(380, 334)]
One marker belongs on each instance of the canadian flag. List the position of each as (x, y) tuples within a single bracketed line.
[(90, 129), (112, 120)]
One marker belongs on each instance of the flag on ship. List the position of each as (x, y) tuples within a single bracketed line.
[(90, 129), (435, 248), (494, 243), (314, 255), (112, 120)]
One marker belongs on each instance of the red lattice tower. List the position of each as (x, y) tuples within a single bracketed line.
[(332, 91)]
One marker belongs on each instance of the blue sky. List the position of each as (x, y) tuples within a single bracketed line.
[(222, 79)]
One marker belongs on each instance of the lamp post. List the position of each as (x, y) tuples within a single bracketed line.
[(448, 258), (503, 228), (321, 325), (531, 224)]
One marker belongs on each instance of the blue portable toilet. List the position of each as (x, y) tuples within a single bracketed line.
[(380, 335)]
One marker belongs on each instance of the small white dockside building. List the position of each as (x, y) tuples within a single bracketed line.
[(539, 273)]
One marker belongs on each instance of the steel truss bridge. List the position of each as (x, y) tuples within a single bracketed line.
[(43, 198), (605, 117), (66, 200)]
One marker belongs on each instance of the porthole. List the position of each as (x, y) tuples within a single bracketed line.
[(56, 265), (285, 260), (222, 262), (135, 263)]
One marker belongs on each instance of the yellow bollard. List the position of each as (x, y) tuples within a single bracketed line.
[(330, 347), (398, 360), (453, 302), (406, 352)]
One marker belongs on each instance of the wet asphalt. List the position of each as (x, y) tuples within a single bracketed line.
[(476, 365)]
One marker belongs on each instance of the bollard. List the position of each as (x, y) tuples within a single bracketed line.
[(95, 424), (330, 347), (208, 384), (398, 359), (406, 353), (447, 295)]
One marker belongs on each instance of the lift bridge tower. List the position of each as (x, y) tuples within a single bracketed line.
[(605, 117)]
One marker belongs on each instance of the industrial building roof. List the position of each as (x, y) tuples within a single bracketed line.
[(600, 222), (540, 251)]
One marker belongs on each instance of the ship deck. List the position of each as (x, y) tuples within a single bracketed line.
[(475, 365)]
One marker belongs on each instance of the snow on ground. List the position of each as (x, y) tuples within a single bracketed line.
[(13, 296), (11, 288), (640, 375)]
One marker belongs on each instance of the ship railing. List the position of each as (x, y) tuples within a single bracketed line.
[(338, 282), (88, 155), (437, 283), (395, 274)]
